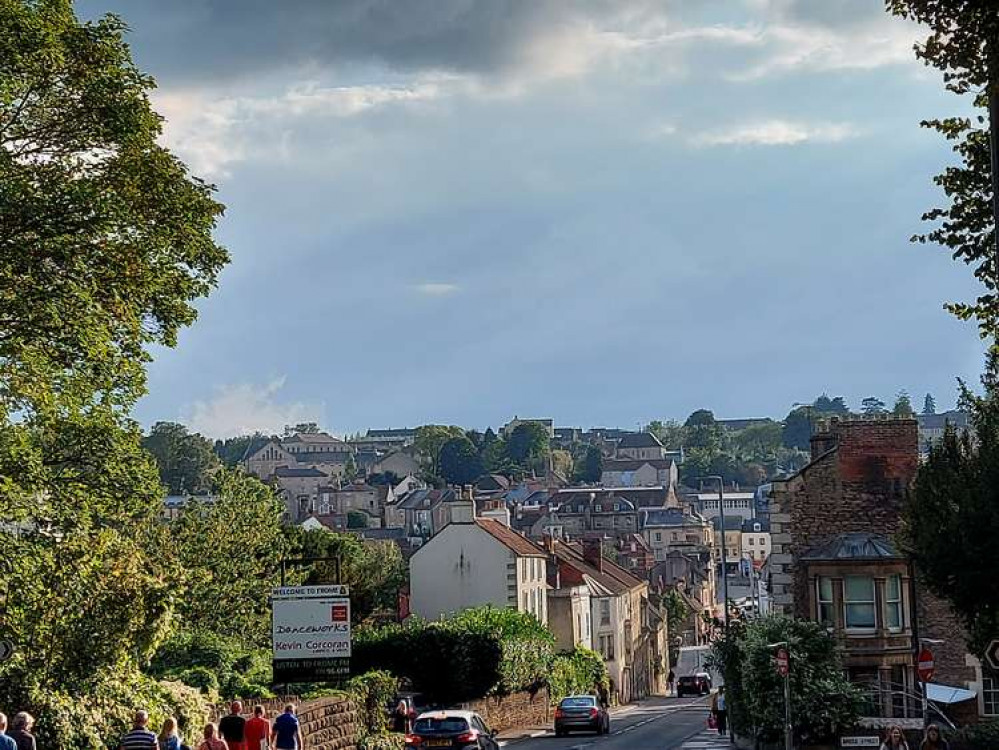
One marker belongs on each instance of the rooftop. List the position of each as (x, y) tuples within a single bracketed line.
[(509, 538), (639, 440), (854, 546)]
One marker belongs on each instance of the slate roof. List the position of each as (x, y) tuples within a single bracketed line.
[(509, 538), (423, 499), (629, 464), (854, 546), (287, 471), (312, 437), (748, 527), (403, 432), (639, 440), (669, 517), (614, 578)]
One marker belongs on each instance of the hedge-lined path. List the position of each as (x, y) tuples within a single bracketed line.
[(653, 724)]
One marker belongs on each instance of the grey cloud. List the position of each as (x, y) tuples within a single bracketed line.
[(832, 14), (236, 38)]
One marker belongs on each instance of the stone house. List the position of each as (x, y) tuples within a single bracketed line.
[(570, 616), (595, 512), (833, 560), (756, 539), (298, 487), (639, 472), (666, 529), (640, 446), (319, 451)]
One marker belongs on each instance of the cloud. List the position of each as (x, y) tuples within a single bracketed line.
[(777, 133), (437, 289), (246, 408)]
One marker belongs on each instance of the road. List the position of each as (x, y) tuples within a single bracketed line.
[(653, 724)]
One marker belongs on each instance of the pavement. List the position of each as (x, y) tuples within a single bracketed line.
[(652, 724)]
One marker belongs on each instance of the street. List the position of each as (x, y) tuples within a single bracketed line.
[(653, 724)]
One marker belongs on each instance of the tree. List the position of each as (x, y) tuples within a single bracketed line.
[(562, 463), (671, 433), (872, 405), (757, 442), (528, 443), (949, 522), (430, 438), (186, 460), (590, 468), (357, 519), (929, 404), (903, 405), (964, 45), (826, 405), (823, 701), (389, 478), (460, 462), (703, 432), (302, 428), (232, 451), (797, 431)]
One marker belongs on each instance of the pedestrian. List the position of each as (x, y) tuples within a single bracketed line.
[(6, 742), (286, 734), (169, 739), (212, 741), (233, 727), (400, 717), (20, 731), (670, 679), (933, 740), (140, 738), (258, 729), (603, 695), (719, 709), (895, 740)]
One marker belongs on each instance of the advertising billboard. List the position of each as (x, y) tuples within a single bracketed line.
[(310, 633)]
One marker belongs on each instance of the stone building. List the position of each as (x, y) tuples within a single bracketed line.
[(833, 560)]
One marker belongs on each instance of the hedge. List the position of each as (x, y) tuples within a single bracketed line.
[(577, 672)]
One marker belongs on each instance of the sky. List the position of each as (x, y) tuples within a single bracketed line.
[(599, 211)]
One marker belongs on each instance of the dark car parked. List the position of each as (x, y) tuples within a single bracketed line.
[(693, 684), (450, 730), (581, 712)]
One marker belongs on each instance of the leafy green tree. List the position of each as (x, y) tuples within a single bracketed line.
[(963, 45), (798, 425), (826, 405), (703, 432), (671, 433), (528, 444), (929, 404), (590, 468), (302, 428), (823, 701), (231, 451), (357, 519), (903, 405), (873, 405), (757, 442), (460, 462), (562, 463), (430, 438), (949, 523), (186, 460)]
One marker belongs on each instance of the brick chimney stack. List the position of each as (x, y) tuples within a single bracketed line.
[(593, 553)]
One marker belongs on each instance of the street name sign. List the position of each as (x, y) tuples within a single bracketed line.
[(782, 662), (6, 650), (860, 742), (925, 667), (992, 654), (310, 633)]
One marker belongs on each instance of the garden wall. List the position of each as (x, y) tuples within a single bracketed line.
[(515, 710)]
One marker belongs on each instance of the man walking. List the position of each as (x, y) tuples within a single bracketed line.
[(287, 733), (258, 729), (233, 727), (720, 710), (140, 738), (6, 743)]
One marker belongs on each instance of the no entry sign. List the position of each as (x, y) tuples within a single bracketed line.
[(783, 663), (924, 665)]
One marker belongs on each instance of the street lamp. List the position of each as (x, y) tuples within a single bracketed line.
[(724, 557)]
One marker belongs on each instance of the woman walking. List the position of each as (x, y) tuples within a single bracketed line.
[(933, 740), (895, 740), (20, 731), (212, 741), (169, 739)]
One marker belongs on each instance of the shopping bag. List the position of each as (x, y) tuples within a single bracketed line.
[(712, 722)]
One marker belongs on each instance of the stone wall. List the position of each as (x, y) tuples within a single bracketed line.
[(332, 723), (516, 710)]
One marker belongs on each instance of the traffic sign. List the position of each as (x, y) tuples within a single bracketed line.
[(782, 662), (6, 650), (992, 654), (924, 665)]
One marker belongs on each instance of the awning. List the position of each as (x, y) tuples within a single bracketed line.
[(948, 694)]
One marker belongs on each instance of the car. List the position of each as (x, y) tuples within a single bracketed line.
[(693, 684), (582, 712), (450, 730)]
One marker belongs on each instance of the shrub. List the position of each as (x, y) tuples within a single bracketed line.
[(212, 662), (576, 672), (372, 692), (984, 736)]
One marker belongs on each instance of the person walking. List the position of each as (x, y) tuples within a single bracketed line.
[(286, 734), (20, 731), (233, 727), (895, 740), (719, 709), (933, 740), (6, 742), (258, 729), (169, 739), (211, 739), (140, 738), (400, 717), (670, 679)]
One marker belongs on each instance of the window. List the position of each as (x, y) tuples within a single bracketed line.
[(605, 611), (659, 537), (893, 602), (826, 616), (990, 695), (763, 541), (858, 596), (607, 647), (750, 541), (523, 601)]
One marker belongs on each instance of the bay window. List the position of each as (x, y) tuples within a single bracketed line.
[(859, 602)]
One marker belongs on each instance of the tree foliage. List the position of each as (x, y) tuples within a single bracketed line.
[(186, 460), (929, 404), (903, 405), (430, 439), (590, 467), (822, 699), (872, 405), (964, 45), (528, 443), (459, 461), (949, 523)]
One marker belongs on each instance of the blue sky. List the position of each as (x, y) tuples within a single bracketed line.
[(601, 211)]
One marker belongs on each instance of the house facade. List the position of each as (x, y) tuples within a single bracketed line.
[(639, 472)]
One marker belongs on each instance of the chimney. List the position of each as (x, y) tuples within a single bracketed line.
[(593, 553), (462, 511)]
